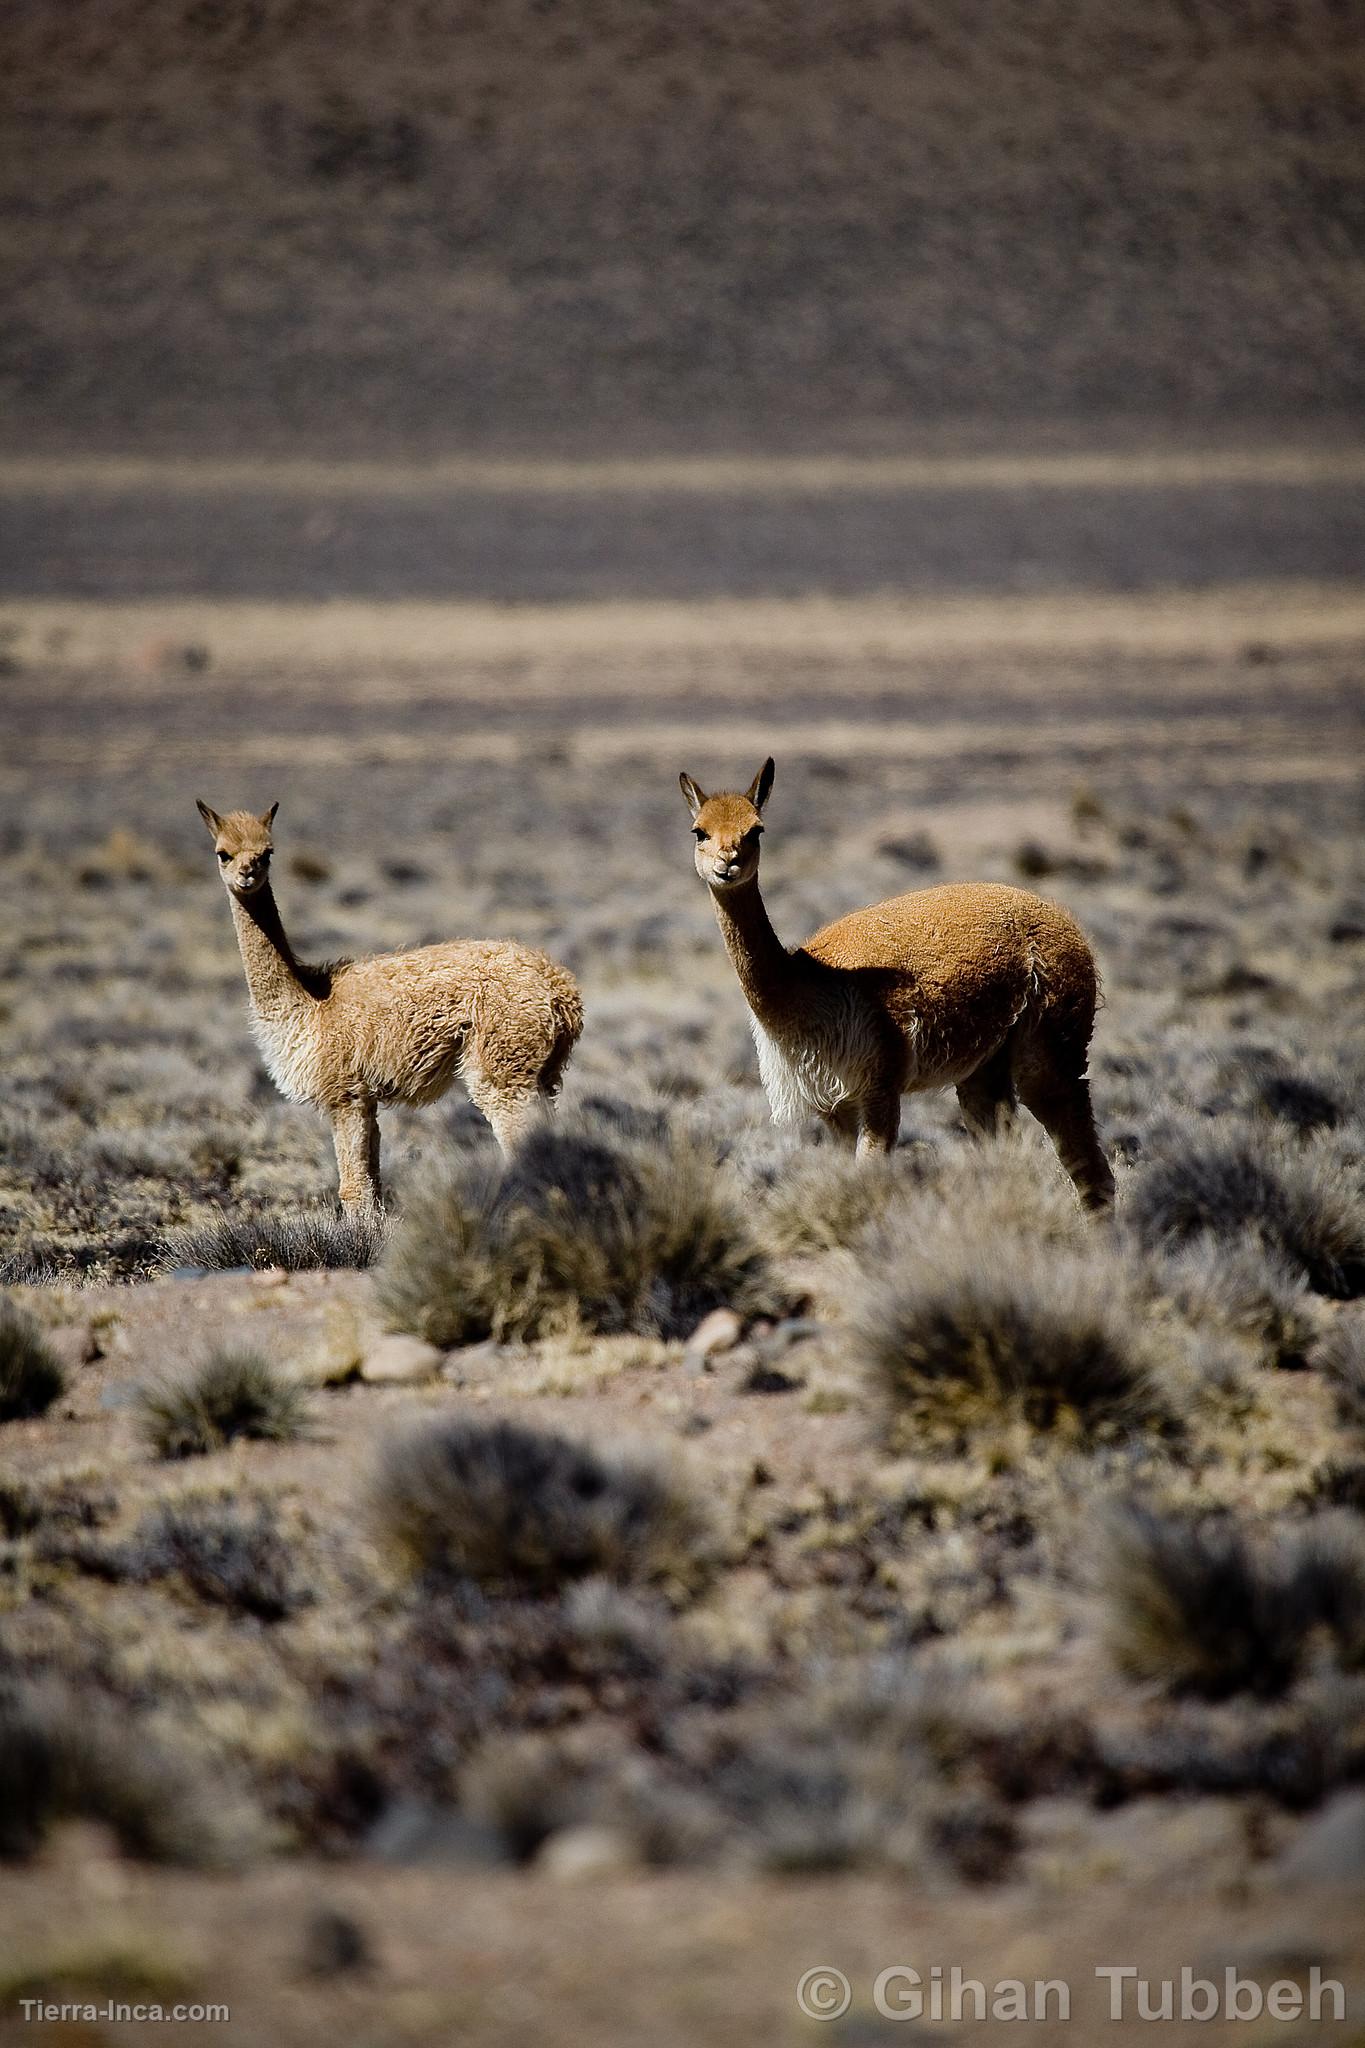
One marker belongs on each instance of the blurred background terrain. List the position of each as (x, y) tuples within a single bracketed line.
[(360, 227), (451, 421)]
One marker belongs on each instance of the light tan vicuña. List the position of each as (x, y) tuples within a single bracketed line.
[(988, 989), (398, 1027)]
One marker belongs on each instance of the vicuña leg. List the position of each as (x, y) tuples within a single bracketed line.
[(1062, 1106), (355, 1134), (511, 1114), (879, 1123), (986, 1098), (842, 1120)]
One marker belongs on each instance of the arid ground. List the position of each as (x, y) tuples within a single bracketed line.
[(1049, 1649), (614, 1587)]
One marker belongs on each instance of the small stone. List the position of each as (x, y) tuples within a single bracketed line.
[(1331, 1848), (585, 1852), (400, 1361), (720, 1331), (272, 1276)]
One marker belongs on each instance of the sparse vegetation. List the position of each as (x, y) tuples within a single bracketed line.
[(62, 1755), (1026, 1332), (237, 1559), (607, 1235), (297, 1242), (1205, 1607), (31, 1376), (1303, 1206), (1241, 1286), (233, 1393), (508, 1505)]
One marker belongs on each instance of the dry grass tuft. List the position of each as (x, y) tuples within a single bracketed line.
[(1241, 1286), (1225, 1183), (1208, 1609), (1341, 1355), (510, 1506), (31, 1376), (233, 1393), (611, 1236), (1032, 1332), (825, 1201), (234, 1559), (64, 1756), (300, 1241)]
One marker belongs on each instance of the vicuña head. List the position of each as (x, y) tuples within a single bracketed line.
[(988, 989), (243, 844), (399, 1027), (727, 829)]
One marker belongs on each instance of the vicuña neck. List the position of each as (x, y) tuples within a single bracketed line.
[(277, 983), (761, 961)]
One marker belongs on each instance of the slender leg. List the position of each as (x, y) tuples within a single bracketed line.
[(355, 1134), (986, 1098), (511, 1117), (843, 1122), (1062, 1106), (879, 1122)]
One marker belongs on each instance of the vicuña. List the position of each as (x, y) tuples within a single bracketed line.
[(398, 1027), (985, 988)]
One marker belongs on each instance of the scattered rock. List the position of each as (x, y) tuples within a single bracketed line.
[(470, 1362), (272, 1276), (720, 1331), (412, 1831), (767, 1379), (585, 1852), (791, 1330), (1330, 1849), (397, 1360), (334, 1942)]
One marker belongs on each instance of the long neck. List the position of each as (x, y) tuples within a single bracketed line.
[(761, 961), (273, 974)]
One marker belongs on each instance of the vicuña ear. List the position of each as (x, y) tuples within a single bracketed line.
[(268, 817), (210, 818), (761, 788), (694, 793)]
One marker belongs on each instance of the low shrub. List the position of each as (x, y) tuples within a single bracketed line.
[(1341, 1355), (1243, 1286), (507, 1505), (233, 1393), (62, 1756), (1203, 1607), (611, 1236), (1226, 1183), (31, 1376), (1031, 1331), (223, 1554), (300, 1241)]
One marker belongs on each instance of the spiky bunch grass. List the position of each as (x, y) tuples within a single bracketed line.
[(1206, 1608), (612, 1236), (301, 1241), (235, 1392), (63, 1756), (510, 1506), (1026, 1328), (1245, 1288), (1304, 1205), (31, 1376)]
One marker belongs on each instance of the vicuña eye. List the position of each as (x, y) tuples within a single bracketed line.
[(699, 833), (224, 858)]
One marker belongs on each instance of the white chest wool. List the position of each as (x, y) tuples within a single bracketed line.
[(289, 1047), (834, 1059)]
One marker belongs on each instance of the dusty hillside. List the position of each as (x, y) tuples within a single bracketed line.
[(359, 225)]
